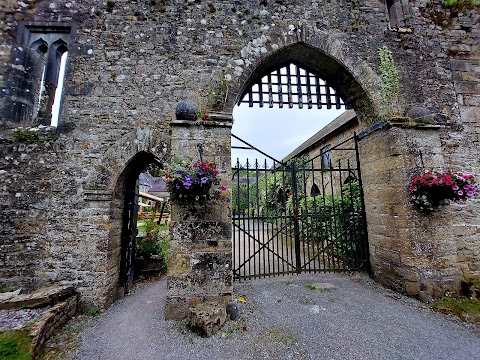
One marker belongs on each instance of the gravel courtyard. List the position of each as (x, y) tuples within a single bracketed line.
[(283, 318)]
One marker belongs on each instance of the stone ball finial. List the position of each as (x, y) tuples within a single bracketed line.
[(186, 110), (421, 115)]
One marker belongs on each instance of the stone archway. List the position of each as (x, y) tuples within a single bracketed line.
[(404, 253), (126, 199), (121, 167), (323, 54)]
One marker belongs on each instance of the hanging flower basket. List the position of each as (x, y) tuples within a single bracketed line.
[(189, 183), (432, 189)]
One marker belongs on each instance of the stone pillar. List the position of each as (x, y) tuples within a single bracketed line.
[(200, 264), (410, 251)]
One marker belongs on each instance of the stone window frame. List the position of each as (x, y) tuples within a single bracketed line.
[(51, 42), (326, 156), (400, 13)]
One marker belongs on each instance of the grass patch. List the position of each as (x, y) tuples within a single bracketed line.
[(467, 309), (15, 345), (94, 311), (305, 300), (314, 288)]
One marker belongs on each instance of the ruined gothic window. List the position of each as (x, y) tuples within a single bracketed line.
[(46, 55), (399, 13)]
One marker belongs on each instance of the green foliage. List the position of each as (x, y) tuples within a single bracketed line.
[(267, 192), (390, 83), (28, 135), (217, 93), (30, 323), (467, 309), (94, 311), (462, 4), (15, 345), (336, 221), (314, 288), (155, 242), (33, 135), (4, 289)]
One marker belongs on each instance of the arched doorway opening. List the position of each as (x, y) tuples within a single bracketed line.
[(315, 229), (141, 209)]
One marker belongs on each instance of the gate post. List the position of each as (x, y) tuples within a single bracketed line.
[(200, 263), (296, 227)]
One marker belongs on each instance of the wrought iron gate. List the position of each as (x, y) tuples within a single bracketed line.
[(305, 215)]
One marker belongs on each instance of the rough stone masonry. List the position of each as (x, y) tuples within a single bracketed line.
[(128, 63)]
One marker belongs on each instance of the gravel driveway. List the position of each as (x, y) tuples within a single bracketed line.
[(284, 318)]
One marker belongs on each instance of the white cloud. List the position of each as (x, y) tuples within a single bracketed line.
[(275, 131)]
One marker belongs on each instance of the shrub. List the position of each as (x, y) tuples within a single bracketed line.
[(336, 222)]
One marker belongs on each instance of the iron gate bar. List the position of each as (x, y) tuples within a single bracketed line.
[(296, 228), (264, 245), (251, 147), (364, 248), (335, 239)]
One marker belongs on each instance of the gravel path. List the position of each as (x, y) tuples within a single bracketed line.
[(284, 318)]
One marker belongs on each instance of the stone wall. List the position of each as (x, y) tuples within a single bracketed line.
[(130, 62)]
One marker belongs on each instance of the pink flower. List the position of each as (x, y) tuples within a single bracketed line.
[(412, 188), (223, 188), (460, 192), (455, 187)]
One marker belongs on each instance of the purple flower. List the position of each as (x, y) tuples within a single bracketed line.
[(203, 180), (470, 193), (179, 172), (455, 187), (460, 192), (200, 172), (187, 182)]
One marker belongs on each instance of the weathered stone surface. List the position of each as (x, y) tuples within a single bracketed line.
[(52, 320), (44, 297), (421, 115), (232, 310), (207, 318)]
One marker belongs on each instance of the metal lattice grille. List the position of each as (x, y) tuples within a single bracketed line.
[(293, 85)]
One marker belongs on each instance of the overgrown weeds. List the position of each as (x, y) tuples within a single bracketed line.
[(467, 309)]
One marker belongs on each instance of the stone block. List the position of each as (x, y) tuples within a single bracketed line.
[(176, 308), (178, 264), (207, 318), (40, 298), (412, 288), (201, 231)]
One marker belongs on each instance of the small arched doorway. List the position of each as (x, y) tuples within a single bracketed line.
[(127, 194)]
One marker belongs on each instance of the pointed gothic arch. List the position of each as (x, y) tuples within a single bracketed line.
[(292, 84), (350, 83)]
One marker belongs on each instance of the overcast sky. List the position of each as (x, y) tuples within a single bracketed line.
[(275, 131)]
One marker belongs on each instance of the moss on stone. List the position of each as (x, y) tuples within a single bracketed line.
[(467, 309)]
